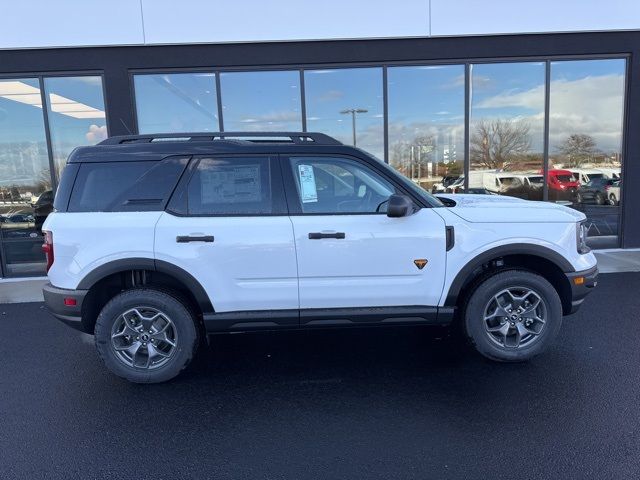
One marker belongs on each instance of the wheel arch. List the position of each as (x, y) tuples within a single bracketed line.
[(541, 260), (108, 279)]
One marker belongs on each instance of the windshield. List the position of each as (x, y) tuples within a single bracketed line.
[(565, 178), (536, 180)]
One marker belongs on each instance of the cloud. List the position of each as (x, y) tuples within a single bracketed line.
[(271, 117), (331, 95), (456, 83), (96, 134), (531, 99), (590, 105)]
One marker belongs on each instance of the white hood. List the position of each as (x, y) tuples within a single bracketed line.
[(504, 209)]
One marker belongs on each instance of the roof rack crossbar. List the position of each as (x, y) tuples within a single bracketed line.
[(293, 137)]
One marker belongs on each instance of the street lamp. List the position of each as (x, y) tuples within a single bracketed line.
[(353, 112)]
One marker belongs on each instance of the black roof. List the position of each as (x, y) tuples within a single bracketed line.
[(156, 146)]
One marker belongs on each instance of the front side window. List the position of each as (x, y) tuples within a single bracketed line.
[(334, 185), (231, 186)]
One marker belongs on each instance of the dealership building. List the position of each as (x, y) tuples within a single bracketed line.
[(539, 100)]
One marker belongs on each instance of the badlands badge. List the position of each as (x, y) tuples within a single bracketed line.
[(420, 263)]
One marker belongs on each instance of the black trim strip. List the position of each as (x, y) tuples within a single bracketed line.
[(161, 266), (451, 237), (326, 318), (466, 273)]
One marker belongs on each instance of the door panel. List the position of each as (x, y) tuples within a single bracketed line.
[(249, 265), (373, 265)]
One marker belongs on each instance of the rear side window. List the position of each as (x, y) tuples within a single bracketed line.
[(125, 186), (230, 186)]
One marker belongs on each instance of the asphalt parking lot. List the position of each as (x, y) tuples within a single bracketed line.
[(387, 403)]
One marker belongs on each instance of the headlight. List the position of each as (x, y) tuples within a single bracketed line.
[(581, 237)]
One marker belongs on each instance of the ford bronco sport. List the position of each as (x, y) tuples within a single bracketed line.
[(157, 241)]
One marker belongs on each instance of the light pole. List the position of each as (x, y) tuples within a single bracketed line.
[(353, 112)]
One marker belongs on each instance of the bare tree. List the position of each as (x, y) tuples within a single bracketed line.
[(414, 155), (578, 148), (498, 143)]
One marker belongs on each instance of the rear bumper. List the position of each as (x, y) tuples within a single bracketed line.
[(54, 299), (581, 288)]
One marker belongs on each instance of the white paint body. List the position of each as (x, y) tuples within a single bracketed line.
[(266, 263), (374, 264)]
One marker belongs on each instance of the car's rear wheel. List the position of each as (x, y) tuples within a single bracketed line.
[(146, 335), (513, 316), (612, 199)]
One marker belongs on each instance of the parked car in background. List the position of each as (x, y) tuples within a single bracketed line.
[(525, 186), (611, 172), (42, 208), (614, 193), (447, 180), (585, 175), (595, 191), (562, 185)]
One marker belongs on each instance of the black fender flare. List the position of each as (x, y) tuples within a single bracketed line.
[(502, 251), (126, 264)]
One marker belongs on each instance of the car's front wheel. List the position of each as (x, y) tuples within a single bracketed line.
[(513, 315), (146, 335), (599, 198)]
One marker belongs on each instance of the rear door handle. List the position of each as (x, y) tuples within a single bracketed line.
[(321, 235), (194, 238)]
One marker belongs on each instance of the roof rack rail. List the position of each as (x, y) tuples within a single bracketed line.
[(290, 137)]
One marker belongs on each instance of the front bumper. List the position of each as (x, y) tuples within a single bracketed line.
[(54, 299), (582, 284)]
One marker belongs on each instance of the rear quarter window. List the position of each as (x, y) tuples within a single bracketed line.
[(125, 186)]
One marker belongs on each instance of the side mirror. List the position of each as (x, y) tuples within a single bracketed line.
[(399, 206)]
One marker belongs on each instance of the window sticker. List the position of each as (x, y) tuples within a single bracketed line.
[(231, 184), (308, 190)]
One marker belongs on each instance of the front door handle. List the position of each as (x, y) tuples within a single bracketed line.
[(194, 238), (321, 235)]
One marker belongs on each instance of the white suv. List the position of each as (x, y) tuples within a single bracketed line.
[(156, 242)]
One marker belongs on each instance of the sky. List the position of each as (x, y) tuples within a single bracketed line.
[(37, 23)]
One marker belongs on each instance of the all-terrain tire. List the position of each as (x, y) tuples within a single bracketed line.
[(479, 307), (182, 322)]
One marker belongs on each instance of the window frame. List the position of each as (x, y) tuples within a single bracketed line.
[(294, 202), (175, 205)]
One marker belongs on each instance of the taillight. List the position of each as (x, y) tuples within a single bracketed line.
[(47, 248)]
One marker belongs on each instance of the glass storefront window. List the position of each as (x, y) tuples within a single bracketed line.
[(178, 102), (347, 104), (585, 141), (426, 123), (75, 107), (25, 177), (506, 139), (261, 101)]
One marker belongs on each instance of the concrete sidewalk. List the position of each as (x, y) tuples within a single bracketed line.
[(18, 290)]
